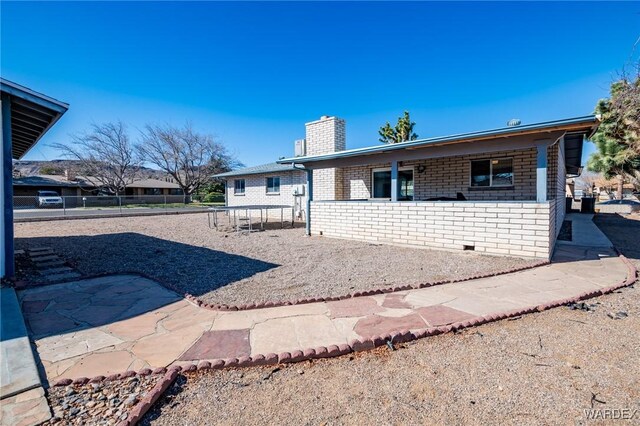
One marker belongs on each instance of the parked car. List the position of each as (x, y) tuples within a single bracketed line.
[(48, 199)]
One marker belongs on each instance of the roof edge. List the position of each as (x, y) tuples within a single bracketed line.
[(460, 137)]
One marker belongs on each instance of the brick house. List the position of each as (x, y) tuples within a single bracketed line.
[(499, 191)]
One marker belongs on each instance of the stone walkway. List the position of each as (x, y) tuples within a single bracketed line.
[(112, 324)]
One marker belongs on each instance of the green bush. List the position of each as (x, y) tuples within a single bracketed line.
[(213, 197)]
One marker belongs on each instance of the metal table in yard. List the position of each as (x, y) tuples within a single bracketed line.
[(241, 217)]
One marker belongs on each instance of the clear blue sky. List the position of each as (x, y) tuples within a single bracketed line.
[(254, 73)]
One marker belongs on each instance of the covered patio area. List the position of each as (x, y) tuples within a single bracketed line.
[(499, 191)]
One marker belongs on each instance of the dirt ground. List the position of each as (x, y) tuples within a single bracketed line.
[(279, 264), (544, 368)]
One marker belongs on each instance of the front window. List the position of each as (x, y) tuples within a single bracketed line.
[(381, 179), (273, 185), (238, 186), (152, 191), (495, 172)]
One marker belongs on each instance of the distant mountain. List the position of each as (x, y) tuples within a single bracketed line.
[(58, 167)]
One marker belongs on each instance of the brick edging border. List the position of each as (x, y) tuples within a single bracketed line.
[(355, 345), (139, 410), (272, 304), (21, 285)]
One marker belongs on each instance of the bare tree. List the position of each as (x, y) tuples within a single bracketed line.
[(587, 181), (105, 156), (189, 157)]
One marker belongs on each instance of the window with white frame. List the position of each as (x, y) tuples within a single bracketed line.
[(238, 187), (381, 183), (273, 185), (493, 172)]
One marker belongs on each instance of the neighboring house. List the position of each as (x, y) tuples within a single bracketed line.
[(26, 116), (28, 186), (267, 185), (499, 191), (153, 187)]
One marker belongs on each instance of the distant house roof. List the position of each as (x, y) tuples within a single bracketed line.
[(32, 114), (85, 182), (255, 170), (48, 180), (153, 183)]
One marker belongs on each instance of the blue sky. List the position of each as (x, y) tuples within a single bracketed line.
[(253, 73)]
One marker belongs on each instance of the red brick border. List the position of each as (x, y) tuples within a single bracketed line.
[(271, 304), (141, 408)]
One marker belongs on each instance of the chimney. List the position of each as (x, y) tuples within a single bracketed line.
[(69, 175), (325, 136)]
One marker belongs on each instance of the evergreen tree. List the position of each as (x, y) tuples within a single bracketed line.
[(402, 132), (617, 137)]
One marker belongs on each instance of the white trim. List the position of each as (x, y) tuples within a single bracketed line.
[(491, 185), (388, 169)]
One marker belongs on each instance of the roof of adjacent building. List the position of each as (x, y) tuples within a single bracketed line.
[(32, 114), (586, 123), (47, 180), (85, 182), (153, 183), (256, 170)]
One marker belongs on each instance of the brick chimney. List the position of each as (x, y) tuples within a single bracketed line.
[(325, 136), (69, 175)]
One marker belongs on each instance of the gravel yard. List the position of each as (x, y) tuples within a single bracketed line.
[(544, 368), (229, 268)]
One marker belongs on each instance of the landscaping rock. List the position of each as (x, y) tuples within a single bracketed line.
[(98, 403)]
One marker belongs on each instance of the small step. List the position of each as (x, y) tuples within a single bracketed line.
[(63, 276), (47, 258), (41, 254), (37, 249), (51, 264), (55, 270)]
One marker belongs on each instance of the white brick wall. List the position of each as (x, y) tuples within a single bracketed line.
[(444, 177), (322, 137), (556, 189), (256, 189), (504, 228)]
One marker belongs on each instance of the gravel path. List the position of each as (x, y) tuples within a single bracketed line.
[(184, 254)]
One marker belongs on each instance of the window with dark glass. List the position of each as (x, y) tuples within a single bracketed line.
[(381, 179), (492, 172), (238, 186), (273, 185)]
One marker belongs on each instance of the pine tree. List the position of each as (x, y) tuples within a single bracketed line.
[(617, 136), (402, 132)]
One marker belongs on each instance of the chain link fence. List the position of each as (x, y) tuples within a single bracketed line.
[(53, 206)]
